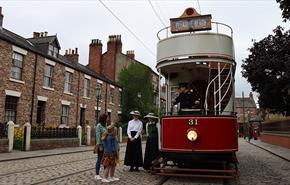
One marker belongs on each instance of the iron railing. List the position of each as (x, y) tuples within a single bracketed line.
[(41, 133)]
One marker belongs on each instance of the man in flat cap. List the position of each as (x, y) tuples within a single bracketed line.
[(186, 98)]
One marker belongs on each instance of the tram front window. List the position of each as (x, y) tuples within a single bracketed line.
[(187, 100)]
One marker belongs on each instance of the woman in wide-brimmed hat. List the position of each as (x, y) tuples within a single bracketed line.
[(151, 150), (133, 155)]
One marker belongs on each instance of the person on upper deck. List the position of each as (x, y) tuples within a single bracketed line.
[(186, 98)]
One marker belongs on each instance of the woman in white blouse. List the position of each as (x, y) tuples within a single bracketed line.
[(133, 155)]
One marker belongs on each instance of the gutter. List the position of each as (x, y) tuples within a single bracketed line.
[(33, 89)]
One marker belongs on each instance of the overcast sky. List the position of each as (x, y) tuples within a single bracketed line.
[(77, 22)]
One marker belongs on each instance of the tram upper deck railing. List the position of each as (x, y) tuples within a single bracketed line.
[(217, 27), (205, 46)]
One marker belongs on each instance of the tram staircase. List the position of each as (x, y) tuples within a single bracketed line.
[(225, 89)]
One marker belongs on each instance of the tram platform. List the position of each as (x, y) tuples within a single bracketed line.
[(274, 149)]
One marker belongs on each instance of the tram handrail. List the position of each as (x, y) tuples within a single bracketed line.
[(209, 84), (227, 87), (213, 22), (224, 80)]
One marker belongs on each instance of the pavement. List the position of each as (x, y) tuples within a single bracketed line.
[(17, 155), (279, 151)]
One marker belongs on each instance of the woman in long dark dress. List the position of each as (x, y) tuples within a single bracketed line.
[(151, 150), (133, 155)]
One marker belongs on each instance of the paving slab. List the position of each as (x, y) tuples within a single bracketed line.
[(274, 149)]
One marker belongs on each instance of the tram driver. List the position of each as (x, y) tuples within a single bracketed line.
[(187, 99)]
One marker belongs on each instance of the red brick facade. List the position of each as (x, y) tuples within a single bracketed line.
[(30, 91), (276, 139)]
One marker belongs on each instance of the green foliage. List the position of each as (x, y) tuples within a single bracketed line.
[(136, 79), (267, 69), (285, 7)]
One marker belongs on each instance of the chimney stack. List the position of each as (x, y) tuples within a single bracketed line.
[(95, 55), (36, 34), (114, 44), (72, 55), (130, 54), (1, 17)]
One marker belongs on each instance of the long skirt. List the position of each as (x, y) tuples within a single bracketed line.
[(133, 155), (151, 152)]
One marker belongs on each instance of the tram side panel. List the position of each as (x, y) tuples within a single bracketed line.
[(214, 134)]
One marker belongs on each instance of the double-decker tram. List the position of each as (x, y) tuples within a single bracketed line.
[(198, 134)]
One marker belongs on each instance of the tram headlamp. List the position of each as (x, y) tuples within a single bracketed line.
[(192, 135)]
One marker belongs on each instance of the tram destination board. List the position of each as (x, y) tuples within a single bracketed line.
[(187, 24)]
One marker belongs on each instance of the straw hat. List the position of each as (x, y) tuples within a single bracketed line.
[(135, 112), (151, 115)]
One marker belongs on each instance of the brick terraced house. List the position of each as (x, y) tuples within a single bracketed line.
[(113, 61), (40, 86)]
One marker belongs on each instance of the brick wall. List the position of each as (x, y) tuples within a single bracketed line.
[(3, 145), (40, 144), (276, 139), (23, 86), (54, 96)]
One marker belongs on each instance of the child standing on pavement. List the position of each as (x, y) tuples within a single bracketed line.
[(111, 153)]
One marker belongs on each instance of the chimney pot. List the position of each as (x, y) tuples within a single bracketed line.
[(73, 52), (130, 54), (45, 33), (76, 49)]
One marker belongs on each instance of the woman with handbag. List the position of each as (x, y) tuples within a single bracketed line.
[(99, 147)]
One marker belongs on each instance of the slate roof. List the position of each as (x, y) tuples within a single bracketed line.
[(47, 39), (28, 45)]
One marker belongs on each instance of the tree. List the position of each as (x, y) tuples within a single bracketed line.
[(267, 69), (136, 79), (285, 7)]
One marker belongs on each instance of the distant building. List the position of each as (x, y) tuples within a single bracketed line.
[(246, 110)]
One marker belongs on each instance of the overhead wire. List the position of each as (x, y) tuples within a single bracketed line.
[(198, 6), (146, 47), (156, 13)]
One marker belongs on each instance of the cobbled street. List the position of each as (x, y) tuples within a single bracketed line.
[(256, 166)]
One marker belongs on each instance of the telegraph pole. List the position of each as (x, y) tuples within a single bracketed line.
[(244, 117)]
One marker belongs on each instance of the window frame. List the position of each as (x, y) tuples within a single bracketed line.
[(68, 82), (64, 118), (14, 66), (14, 105), (52, 50), (111, 95), (50, 77), (86, 87)]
